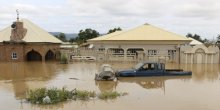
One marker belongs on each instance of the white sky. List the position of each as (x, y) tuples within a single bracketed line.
[(180, 16)]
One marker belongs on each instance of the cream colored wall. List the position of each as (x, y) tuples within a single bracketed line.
[(199, 54), (161, 49)]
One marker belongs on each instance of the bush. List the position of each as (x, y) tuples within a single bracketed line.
[(84, 95), (64, 59), (109, 95), (46, 96), (54, 95), (36, 96)]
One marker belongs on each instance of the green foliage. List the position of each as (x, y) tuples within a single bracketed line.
[(61, 36), (218, 39), (72, 40), (84, 35), (109, 95), (196, 37), (113, 30), (92, 94), (55, 95), (64, 59), (36, 96), (84, 95)]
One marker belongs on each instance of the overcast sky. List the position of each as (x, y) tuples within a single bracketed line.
[(69, 16)]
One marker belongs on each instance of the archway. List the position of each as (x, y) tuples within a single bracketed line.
[(116, 51), (136, 53), (50, 55), (200, 55), (33, 56), (115, 54), (199, 58)]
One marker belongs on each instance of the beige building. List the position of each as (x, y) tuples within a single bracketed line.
[(199, 54), (25, 41), (145, 42)]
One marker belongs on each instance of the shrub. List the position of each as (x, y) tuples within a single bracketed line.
[(64, 59), (55, 95), (109, 95), (36, 96), (46, 96), (84, 95)]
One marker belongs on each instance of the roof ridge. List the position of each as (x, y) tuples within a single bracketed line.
[(125, 31), (34, 33), (168, 31)]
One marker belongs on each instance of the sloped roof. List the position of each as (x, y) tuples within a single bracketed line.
[(194, 41), (144, 32), (34, 34), (104, 37)]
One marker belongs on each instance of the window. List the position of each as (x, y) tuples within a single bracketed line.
[(171, 52), (14, 56), (152, 52), (148, 67), (101, 49)]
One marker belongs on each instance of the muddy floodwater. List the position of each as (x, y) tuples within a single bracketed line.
[(201, 91)]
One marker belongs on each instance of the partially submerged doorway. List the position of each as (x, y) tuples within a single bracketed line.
[(33, 56), (49, 55)]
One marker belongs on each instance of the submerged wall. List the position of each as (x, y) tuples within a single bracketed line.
[(199, 54)]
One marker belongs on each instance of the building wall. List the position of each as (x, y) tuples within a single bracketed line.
[(162, 51), (6, 50), (199, 54)]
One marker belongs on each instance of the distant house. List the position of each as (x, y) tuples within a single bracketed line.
[(24, 41), (146, 42), (194, 42)]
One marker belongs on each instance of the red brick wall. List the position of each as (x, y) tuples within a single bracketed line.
[(6, 50)]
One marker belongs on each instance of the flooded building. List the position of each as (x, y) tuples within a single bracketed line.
[(145, 42), (199, 54), (25, 41)]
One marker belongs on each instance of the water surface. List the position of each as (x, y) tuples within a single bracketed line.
[(201, 91)]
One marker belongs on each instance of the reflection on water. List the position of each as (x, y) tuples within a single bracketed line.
[(153, 82), (17, 78), (18, 74), (106, 86)]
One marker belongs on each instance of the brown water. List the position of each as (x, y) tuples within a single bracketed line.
[(201, 91)]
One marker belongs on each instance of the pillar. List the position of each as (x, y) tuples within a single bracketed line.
[(125, 54), (206, 58), (191, 58), (105, 54), (43, 58), (212, 59)]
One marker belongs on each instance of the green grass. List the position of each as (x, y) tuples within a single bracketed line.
[(36, 96), (55, 95), (84, 95), (64, 59), (109, 95)]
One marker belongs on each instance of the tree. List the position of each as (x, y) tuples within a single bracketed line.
[(113, 30), (195, 36), (218, 39), (206, 41), (61, 36), (72, 40), (189, 35), (86, 34)]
